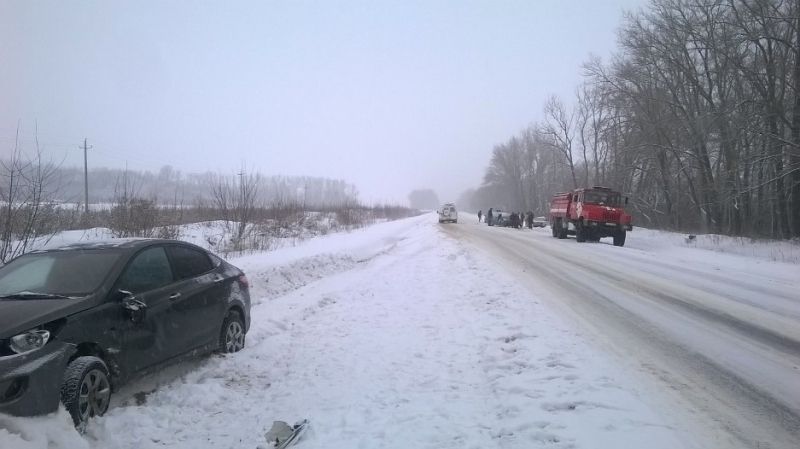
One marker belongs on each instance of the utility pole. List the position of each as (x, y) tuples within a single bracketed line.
[(241, 191), (85, 176)]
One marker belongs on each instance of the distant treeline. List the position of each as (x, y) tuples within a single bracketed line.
[(39, 199), (696, 118), (168, 184)]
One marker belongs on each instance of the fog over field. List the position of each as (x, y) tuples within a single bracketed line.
[(389, 96)]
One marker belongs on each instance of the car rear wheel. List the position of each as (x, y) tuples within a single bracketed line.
[(232, 337), (86, 390)]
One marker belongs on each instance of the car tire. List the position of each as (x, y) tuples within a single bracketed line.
[(86, 389), (232, 335)]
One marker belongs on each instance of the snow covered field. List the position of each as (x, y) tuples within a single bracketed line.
[(393, 336), (214, 236)]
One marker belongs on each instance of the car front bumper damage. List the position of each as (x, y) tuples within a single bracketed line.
[(30, 383)]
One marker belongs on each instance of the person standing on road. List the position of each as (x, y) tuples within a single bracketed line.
[(489, 217), (480, 213)]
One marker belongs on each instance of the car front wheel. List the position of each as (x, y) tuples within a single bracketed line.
[(231, 338), (86, 390)]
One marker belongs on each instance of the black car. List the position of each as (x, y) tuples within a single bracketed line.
[(78, 321), (503, 220)]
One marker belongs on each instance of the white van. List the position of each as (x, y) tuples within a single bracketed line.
[(448, 213)]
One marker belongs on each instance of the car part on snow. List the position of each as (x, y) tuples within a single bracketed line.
[(282, 435)]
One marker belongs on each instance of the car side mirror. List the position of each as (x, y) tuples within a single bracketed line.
[(135, 309), (120, 295)]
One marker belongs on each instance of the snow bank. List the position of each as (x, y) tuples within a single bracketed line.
[(54, 431), (773, 250)]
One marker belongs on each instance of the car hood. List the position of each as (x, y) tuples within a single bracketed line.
[(19, 315)]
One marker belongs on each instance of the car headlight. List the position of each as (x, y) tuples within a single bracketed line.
[(29, 341)]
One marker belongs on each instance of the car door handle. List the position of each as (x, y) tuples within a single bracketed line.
[(175, 296), (219, 279)]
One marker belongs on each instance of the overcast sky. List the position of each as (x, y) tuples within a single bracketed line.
[(390, 96)]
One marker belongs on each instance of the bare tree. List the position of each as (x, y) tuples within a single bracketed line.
[(237, 199), (26, 215), (697, 118), (132, 215), (559, 128)]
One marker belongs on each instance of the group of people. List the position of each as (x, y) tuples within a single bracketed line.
[(516, 220)]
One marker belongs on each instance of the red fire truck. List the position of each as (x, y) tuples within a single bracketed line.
[(590, 214)]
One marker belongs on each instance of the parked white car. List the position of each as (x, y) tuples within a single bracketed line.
[(539, 222), (448, 213)]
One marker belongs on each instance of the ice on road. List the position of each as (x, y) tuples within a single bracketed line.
[(395, 336)]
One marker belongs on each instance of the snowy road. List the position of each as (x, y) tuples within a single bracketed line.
[(721, 332), (412, 334)]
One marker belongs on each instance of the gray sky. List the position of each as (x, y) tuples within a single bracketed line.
[(390, 96)]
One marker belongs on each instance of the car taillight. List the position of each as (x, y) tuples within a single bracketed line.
[(243, 281)]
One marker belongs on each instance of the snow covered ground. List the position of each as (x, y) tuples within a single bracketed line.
[(772, 250), (717, 331), (214, 236), (397, 335)]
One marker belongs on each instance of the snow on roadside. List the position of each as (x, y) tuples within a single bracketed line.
[(786, 251), (391, 336)]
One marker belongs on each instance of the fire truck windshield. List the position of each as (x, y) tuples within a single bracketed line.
[(602, 198)]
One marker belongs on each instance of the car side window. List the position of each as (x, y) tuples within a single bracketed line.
[(189, 262), (148, 270)]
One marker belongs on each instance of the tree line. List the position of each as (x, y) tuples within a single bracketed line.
[(39, 199), (162, 185), (696, 117)]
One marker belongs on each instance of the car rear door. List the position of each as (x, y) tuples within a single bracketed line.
[(202, 295)]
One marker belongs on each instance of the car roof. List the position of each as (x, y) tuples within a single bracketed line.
[(130, 244)]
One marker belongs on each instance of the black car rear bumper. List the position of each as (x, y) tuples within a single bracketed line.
[(30, 383)]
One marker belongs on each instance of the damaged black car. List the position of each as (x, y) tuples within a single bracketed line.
[(78, 321)]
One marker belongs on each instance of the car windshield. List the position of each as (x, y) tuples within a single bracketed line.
[(603, 198), (67, 273)]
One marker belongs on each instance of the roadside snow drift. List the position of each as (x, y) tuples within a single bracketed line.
[(394, 336)]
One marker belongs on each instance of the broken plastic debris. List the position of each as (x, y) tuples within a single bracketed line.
[(282, 435)]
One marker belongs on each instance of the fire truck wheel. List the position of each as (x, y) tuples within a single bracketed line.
[(562, 232), (580, 232), (619, 238)]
